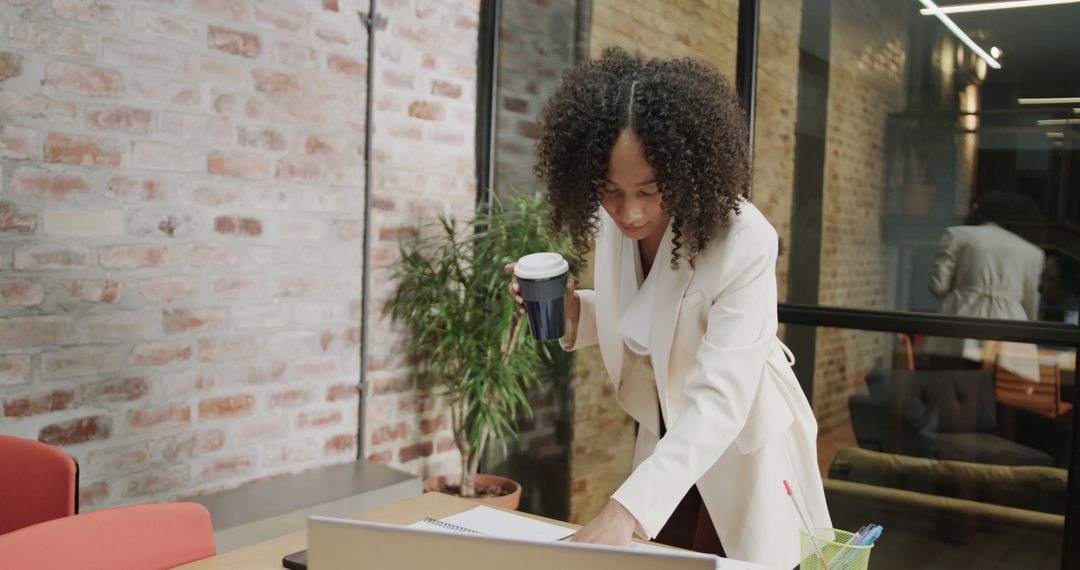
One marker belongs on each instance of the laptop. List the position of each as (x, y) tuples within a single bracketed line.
[(340, 544)]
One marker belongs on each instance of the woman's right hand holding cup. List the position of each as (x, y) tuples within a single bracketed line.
[(571, 301)]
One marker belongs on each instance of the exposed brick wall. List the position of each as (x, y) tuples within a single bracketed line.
[(181, 200), (425, 164), (866, 83), (776, 108)]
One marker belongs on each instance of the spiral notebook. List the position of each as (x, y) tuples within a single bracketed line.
[(493, 522)]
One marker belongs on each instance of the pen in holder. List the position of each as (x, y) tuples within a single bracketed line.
[(834, 545)]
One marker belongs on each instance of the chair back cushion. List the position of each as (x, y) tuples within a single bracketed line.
[(38, 482), (957, 401)]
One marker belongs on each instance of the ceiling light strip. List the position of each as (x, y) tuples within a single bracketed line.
[(986, 6), (960, 34), (1051, 122)]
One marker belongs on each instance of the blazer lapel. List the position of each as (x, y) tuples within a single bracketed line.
[(670, 288), (607, 285)]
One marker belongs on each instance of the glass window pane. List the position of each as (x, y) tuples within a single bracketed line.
[(964, 462), (906, 170)]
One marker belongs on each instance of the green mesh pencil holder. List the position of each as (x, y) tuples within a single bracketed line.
[(837, 554)]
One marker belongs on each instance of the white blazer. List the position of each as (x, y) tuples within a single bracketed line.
[(738, 423), (984, 271)]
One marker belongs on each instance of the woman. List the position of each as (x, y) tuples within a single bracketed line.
[(649, 157)]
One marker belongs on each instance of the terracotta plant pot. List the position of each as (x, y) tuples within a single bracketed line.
[(510, 500)]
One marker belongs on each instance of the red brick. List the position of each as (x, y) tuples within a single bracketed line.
[(396, 233), (213, 195), (93, 495), (40, 403), (168, 289), (288, 398), (152, 23), (231, 466), (381, 457), (346, 66), (229, 407), (205, 255), (85, 360), (159, 354), (18, 142), (262, 139), (82, 151), (72, 432), (83, 79), (143, 418), (291, 452), (194, 320), (298, 169), (43, 184), (11, 221), (338, 35), (345, 443), (389, 433), (125, 119), (416, 404), (319, 419), (234, 41), (37, 106), (240, 165), (445, 89), (236, 10), (516, 105), (250, 106), (14, 369), (225, 74), (133, 257), (430, 425), (298, 286), (415, 451), (89, 11), (21, 292), (225, 349), (236, 287), (293, 55), (124, 390), (277, 84), (152, 155), (445, 444), (156, 480), (230, 225), (135, 189), (284, 19), (261, 374), (50, 257), (90, 291), (529, 129), (124, 325), (315, 368), (166, 91), (339, 392), (427, 110)]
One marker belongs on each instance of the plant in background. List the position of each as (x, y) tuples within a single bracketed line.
[(452, 298)]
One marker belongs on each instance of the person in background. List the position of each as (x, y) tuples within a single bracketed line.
[(983, 270), (649, 157), (1056, 301)]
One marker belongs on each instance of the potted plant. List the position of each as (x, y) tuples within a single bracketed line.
[(466, 331)]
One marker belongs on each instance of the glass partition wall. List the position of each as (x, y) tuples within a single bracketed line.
[(920, 164)]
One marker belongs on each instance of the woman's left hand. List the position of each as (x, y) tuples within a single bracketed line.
[(613, 526)]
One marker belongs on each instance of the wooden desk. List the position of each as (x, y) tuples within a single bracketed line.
[(267, 555)]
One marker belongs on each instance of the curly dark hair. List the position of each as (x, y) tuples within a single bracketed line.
[(691, 127)]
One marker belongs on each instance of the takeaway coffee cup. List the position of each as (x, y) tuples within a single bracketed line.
[(542, 281)]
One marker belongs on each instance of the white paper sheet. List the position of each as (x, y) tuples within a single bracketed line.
[(493, 522)]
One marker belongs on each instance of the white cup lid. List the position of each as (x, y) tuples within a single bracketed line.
[(541, 266)]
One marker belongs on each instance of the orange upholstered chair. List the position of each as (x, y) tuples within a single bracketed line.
[(137, 537), (38, 482)]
